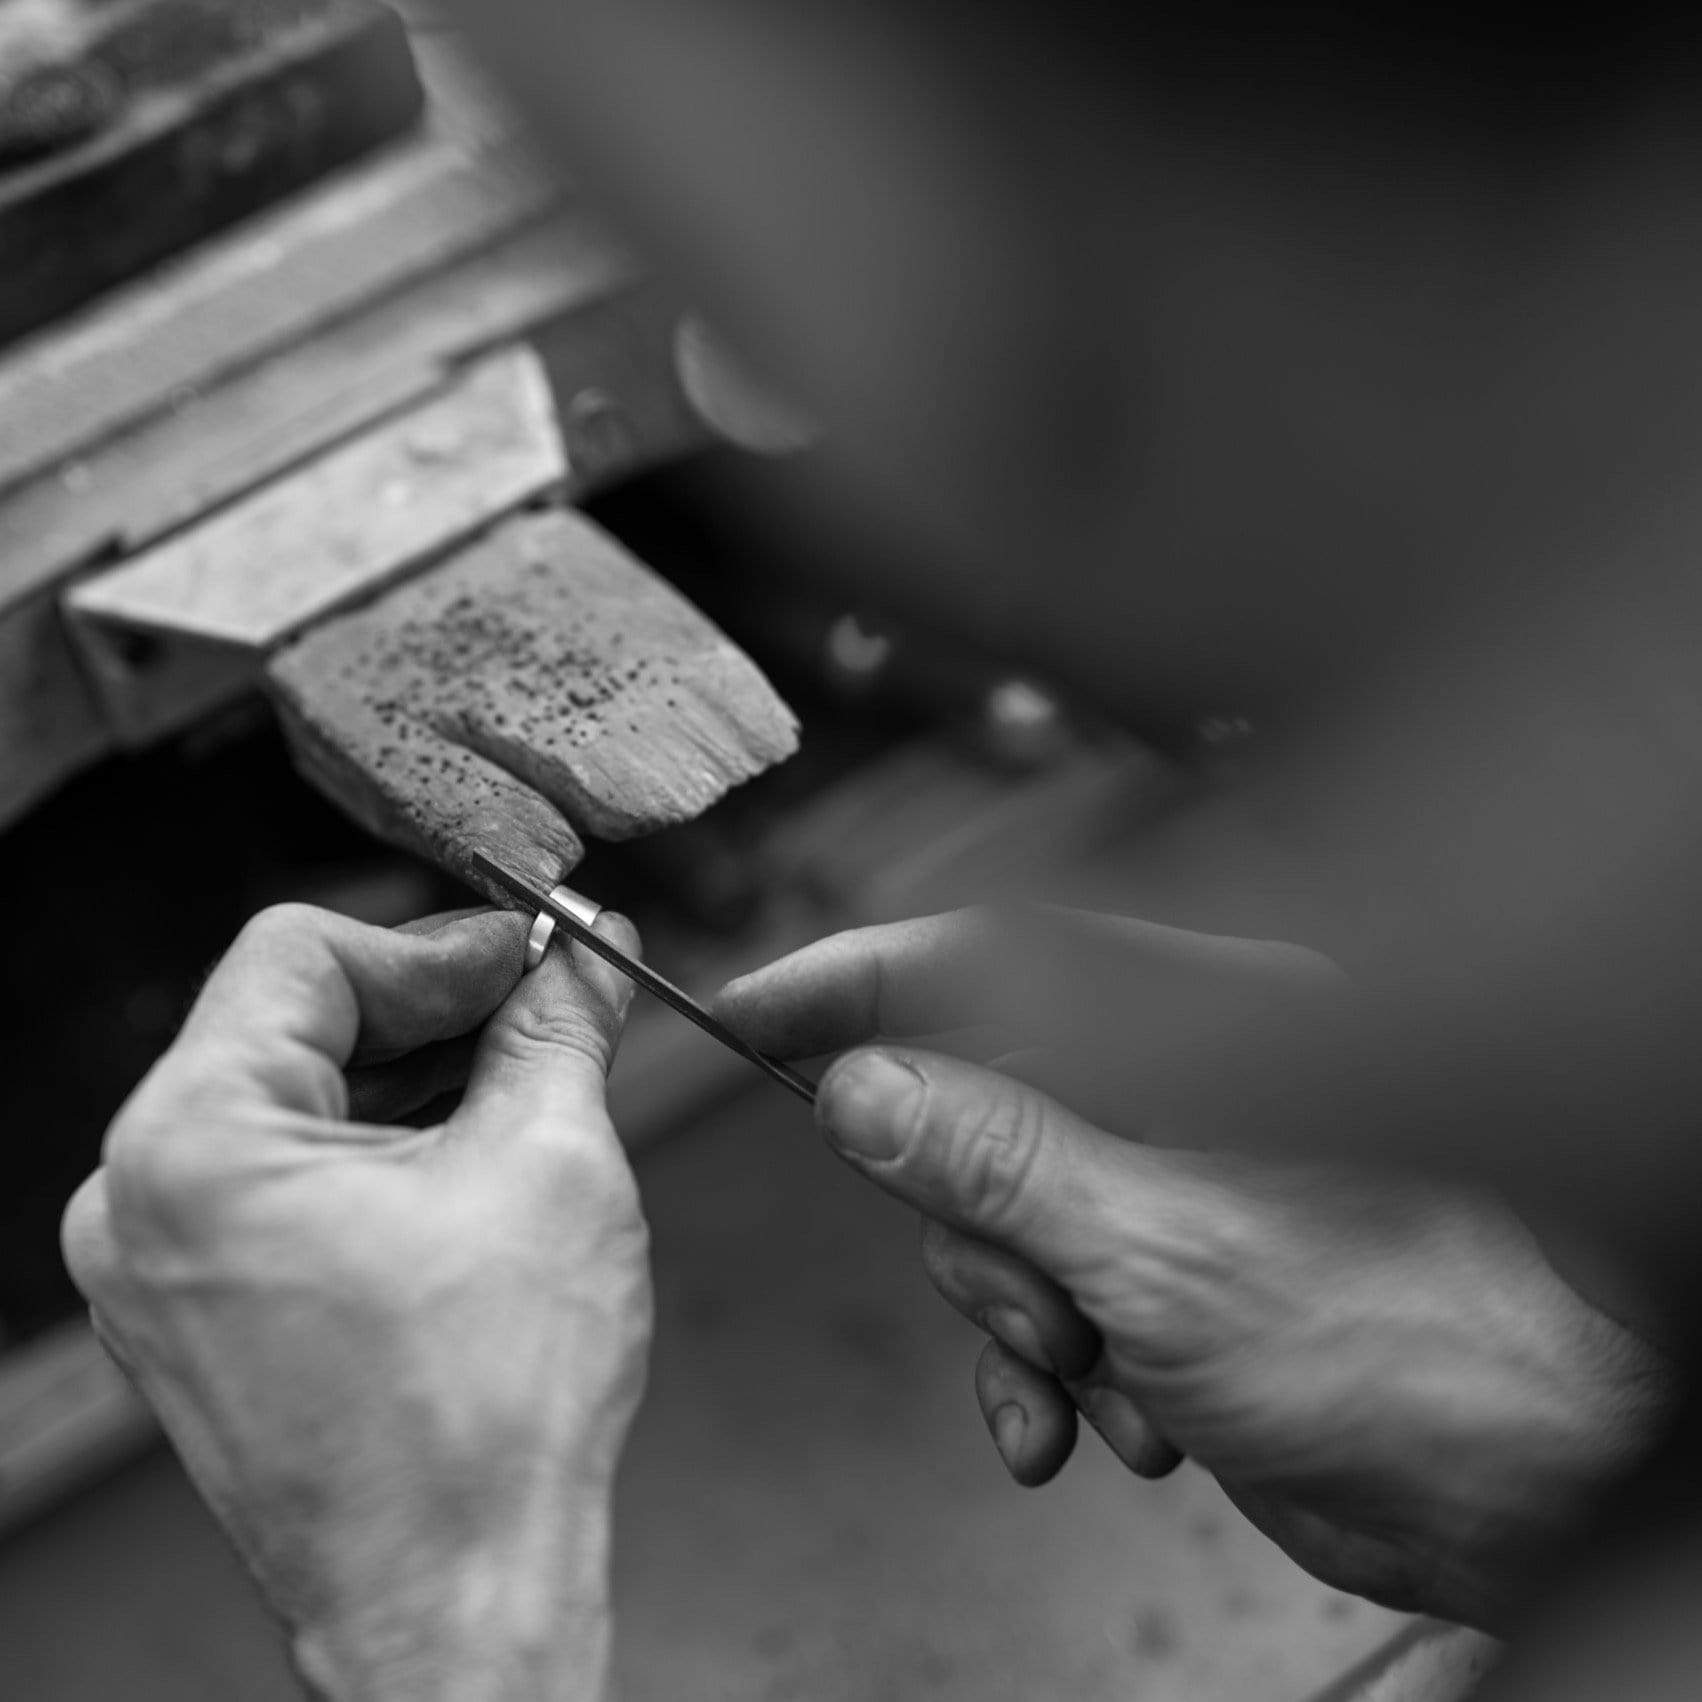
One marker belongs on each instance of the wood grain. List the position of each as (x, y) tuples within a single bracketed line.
[(348, 523), (541, 685), (219, 443), (51, 725), (248, 293)]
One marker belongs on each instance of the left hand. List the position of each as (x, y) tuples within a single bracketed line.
[(399, 1363), (1384, 1373)]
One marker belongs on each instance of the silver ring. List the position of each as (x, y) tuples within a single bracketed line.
[(538, 941), (580, 906), (544, 926)]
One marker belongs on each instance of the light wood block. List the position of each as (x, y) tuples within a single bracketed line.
[(348, 523), (252, 291), (543, 683), (51, 723)]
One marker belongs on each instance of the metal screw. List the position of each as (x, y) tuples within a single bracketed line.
[(600, 436)]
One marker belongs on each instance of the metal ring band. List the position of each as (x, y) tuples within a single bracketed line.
[(544, 927), (578, 904), (538, 941)]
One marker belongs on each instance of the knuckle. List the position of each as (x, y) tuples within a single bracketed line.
[(128, 1138), (531, 1030), (159, 1176), (994, 1144), (279, 922), (85, 1236), (281, 934)]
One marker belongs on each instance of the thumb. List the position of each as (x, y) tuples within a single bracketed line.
[(987, 1154), (543, 1058)]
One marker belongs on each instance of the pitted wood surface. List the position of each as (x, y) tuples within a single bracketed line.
[(542, 684)]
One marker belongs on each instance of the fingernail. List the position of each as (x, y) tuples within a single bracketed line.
[(1019, 1333), (1010, 1426), (869, 1104)]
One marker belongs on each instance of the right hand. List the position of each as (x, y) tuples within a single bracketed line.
[(1385, 1375)]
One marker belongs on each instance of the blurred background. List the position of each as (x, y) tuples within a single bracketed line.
[(239, 237)]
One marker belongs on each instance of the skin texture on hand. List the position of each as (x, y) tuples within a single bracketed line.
[(399, 1363), (1385, 1374)]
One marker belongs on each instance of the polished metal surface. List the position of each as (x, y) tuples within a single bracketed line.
[(569, 913), (538, 940), (584, 908)]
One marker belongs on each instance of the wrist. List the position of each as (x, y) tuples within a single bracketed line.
[(1553, 1486), (522, 1619)]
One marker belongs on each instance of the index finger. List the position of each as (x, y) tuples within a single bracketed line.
[(912, 980), (285, 1009), (1029, 974)]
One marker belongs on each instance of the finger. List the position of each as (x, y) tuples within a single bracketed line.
[(609, 984), (996, 1159), (902, 980), (391, 1091), (543, 1059), (441, 919), (1010, 1300), (1113, 1098), (1125, 1429), (1030, 1418), (1121, 993), (483, 938), (302, 989)]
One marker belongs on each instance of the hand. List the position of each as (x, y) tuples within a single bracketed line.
[(1385, 1375), (399, 1363)]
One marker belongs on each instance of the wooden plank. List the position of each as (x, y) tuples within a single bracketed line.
[(541, 683), (220, 443), (215, 108), (51, 724), (468, 108), (359, 235), (66, 1413), (610, 359), (349, 522)]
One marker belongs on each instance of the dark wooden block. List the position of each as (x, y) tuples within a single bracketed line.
[(172, 119)]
